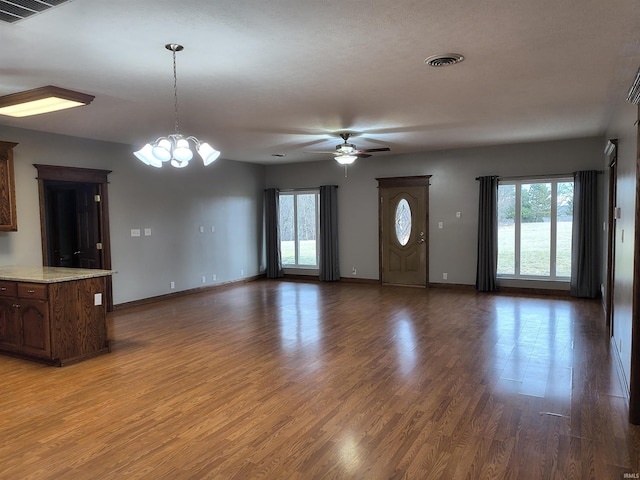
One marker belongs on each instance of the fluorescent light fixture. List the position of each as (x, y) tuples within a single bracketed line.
[(42, 100)]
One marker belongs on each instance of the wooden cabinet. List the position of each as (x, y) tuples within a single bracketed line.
[(8, 217), (56, 323)]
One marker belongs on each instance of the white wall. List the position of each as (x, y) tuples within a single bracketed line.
[(173, 203), (453, 189)]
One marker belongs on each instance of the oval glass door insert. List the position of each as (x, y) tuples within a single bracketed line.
[(403, 222)]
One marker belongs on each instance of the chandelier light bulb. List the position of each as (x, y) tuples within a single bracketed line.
[(182, 152), (162, 150), (208, 153), (346, 159), (145, 154)]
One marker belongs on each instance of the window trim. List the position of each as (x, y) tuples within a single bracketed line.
[(554, 180), (294, 193)]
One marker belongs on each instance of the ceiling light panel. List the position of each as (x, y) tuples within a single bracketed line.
[(42, 100), (13, 10)]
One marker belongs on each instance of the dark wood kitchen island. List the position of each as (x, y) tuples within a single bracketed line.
[(53, 315)]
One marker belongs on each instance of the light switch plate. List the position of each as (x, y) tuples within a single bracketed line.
[(135, 232), (147, 232), (97, 299)]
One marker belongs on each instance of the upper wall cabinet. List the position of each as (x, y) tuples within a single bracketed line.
[(8, 218)]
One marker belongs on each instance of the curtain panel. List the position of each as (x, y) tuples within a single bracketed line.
[(272, 233), (585, 271), (487, 268), (329, 254)]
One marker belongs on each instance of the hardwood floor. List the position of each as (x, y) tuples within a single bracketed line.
[(293, 380)]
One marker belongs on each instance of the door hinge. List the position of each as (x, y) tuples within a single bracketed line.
[(97, 198), (99, 246)]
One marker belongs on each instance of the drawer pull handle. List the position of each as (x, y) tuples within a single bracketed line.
[(31, 291), (16, 305), (3, 289)]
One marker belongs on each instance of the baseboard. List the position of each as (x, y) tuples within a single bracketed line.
[(365, 281), (621, 376), (314, 278), (182, 293), (546, 292), (456, 286)]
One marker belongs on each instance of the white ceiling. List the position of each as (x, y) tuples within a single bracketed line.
[(286, 76)]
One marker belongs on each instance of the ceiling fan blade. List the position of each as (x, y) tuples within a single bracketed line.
[(385, 149), (323, 152), (362, 155)]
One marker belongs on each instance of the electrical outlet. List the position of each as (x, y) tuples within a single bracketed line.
[(354, 271), (215, 277), (201, 228), (204, 279), (444, 276), (242, 271), (172, 285)]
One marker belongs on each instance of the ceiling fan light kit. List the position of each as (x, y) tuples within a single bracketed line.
[(175, 148), (346, 159), (346, 153)]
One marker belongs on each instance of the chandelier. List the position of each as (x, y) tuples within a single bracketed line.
[(175, 148)]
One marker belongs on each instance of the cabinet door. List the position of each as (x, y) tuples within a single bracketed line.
[(8, 220), (34, 317), (9, 324)]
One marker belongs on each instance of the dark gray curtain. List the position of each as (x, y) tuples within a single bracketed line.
[(487, 268), (329, 257), (271, 215), (585, 272)]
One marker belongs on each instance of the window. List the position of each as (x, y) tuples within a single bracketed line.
[(535, 219), (299, 226)]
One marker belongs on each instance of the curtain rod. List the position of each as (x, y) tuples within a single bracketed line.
[(538, 177), (301, 189)]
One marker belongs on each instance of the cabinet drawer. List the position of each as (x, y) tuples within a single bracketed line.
[(8, 289), (32, 290)]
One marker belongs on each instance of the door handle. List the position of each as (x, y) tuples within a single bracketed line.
[(78, 252), (421, 240)]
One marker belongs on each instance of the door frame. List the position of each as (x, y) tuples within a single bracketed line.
[(391, 182), (78, 175), (611, 155)]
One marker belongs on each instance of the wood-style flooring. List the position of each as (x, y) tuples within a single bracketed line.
[(294, 380)]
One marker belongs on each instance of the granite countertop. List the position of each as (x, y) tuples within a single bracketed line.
[(49, 274)]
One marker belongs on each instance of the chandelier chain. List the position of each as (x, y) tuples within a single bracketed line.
[(175, 90)]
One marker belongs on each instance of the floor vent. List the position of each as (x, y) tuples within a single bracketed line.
[(13, 10)]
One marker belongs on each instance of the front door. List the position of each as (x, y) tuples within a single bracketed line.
[(403, 230)]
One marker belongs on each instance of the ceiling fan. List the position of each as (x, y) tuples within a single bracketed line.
[(346, 153)]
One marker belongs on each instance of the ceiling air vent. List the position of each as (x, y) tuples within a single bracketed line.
[(634, 91), (13, 10), (444, 60)]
